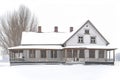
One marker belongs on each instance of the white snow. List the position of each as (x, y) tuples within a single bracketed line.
[(38, 47), (44, 38), (60, 72), (92, 47), (60, 47)]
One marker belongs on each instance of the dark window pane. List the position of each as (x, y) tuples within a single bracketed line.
[(101, 53), (43, 53), (81, 54), (31, 53), (55, 53), (69, 53), (93, 40), (86, 31), (80, 39), (91, 53), (52, 55)]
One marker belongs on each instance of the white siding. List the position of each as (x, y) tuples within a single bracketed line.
[(74, 40)]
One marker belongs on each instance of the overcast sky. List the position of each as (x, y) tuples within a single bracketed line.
[(104, 14)]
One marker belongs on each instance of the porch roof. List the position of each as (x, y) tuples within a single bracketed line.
[(60, 47), (92, 47), (37, 47)]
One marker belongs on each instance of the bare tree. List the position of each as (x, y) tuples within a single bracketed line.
[(13, 24)]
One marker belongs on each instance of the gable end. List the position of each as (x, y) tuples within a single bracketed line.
[(88, 21)]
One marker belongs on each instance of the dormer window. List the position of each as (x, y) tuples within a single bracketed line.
[(80, 39), (86, 31), (93, 40)]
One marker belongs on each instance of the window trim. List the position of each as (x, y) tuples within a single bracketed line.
[(82, 52), (69, 53), (102, 54), (53, 53), (93, 41), (43, 55), (87, 31), (80, 39), (93, 56)]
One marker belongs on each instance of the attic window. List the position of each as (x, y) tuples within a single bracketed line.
[(86, 31), (86, 25)]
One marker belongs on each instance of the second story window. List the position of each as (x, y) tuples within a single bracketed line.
[(93, 40), (80, 39)]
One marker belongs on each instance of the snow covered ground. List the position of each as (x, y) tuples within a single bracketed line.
[(59, 72)]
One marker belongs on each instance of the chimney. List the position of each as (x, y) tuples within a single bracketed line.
[(39, 29), (71, 29), (56, 29)]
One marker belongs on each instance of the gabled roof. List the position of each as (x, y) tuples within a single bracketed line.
[(88, 21), (54, 38)]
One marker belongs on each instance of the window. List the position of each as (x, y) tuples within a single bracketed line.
[(81, 54), (12, 55), (93, 40), (31, 53), (21, 54), (18, 53), (53, 54), (69, 53), (80, 39), (101, 53), (91, 53), (86, 31), (86, 25), (75, 53), (43, 53)]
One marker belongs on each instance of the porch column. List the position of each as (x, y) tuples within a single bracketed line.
[(47, 55), (65, 55), (113, 55), (96, 54), (105, 54), (72, 53), (78, 51), (86, 54), (109, 55)]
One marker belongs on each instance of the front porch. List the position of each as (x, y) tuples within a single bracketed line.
[(36, 56), (97, 56), (67, 55)]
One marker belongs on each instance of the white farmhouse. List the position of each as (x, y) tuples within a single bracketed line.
[(86, 45)]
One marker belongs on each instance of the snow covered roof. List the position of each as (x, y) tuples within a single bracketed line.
[(92, 47), (38, 47), (60, 47), (44, 38)]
